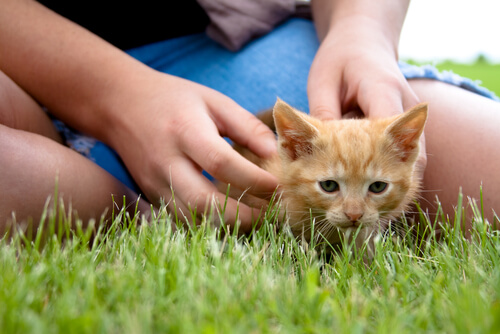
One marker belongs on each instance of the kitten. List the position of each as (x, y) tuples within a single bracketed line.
[(345, 175)]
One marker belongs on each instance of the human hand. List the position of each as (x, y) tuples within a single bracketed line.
[(172, 129), (356, 68)]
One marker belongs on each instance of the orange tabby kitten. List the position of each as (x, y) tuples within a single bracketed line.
[(345, 174)]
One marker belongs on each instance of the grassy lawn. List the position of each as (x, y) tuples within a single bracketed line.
[(147, 278), (150, 279), (487, 74)]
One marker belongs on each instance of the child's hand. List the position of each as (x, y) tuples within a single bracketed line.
[(356, 69), (168, 138)]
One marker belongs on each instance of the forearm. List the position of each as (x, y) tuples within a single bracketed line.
[(74, 73), (384, 17)]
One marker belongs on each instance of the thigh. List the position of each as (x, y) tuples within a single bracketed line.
[(37, 165), (462, 136), (275, 65)]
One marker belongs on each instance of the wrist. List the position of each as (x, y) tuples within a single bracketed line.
[(119, 110), (383, 18), (365, 33)]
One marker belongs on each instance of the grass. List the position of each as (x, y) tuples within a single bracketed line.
[(487, 74), (147, 278)]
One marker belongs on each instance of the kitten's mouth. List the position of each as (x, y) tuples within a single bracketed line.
[(348, 225)]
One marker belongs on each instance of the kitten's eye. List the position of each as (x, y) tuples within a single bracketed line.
[(377, 187), (329, 186)]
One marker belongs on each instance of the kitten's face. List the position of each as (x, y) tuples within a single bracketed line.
[(346, 174)]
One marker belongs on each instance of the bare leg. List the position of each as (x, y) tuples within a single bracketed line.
[(462, 139), (32, 158), (19, 111)]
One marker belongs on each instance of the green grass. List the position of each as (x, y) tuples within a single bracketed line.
[(148, 278), (486, 73)]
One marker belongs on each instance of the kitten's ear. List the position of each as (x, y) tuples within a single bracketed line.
[(405, 130), (295, 133)]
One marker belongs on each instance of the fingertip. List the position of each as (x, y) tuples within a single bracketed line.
[(324, 113), (249, 131), (265, 143), (268, 147), (241, 217), (324, 107)]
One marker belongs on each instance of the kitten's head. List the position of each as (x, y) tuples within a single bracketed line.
[(345, 174)]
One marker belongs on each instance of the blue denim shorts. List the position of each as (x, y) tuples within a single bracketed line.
[(276, 64)]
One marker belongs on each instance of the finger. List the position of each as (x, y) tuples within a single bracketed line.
[(324, 104), (244, 196), (387, 103), (180, 212), (422, 156), (384, 106), (221, 161), (234, 212), (323, 91), (202, 198), (410, 98), (387, 98), (246, 130), (160, 192), (381, 100)]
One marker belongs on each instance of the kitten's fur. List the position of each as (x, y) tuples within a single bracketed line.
[(345, 174)]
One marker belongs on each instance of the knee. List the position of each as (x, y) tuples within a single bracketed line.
[(13, 101), (7, 114), (18, 110)]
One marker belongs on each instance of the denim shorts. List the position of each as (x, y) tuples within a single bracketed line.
[(275, 65)]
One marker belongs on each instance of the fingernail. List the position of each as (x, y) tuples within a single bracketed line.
[(271, 147)]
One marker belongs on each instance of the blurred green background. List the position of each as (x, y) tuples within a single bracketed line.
[(488, 74)]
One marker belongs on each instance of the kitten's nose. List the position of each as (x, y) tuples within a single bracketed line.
[(354, 216)]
